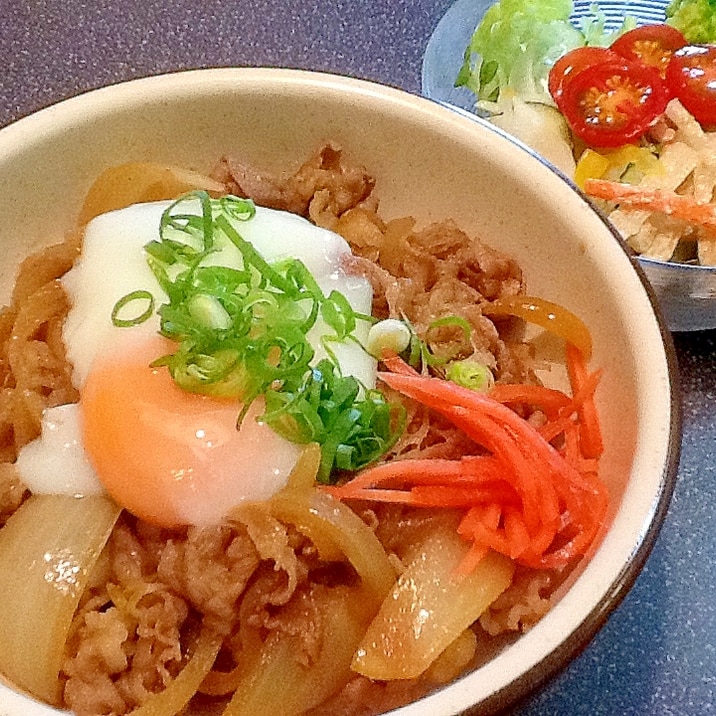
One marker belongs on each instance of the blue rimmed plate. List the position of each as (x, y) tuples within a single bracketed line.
[(687, 293)]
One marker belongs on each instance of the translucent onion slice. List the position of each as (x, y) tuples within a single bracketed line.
[(180, 691), (303, 475), (336, 530), (429, 608), (47, 551), (278, 682), (136, 182)]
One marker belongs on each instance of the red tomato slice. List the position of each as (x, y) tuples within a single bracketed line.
[(691, 76), (651, 45), (614, 103), (570, 65)]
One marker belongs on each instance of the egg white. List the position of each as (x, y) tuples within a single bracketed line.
[(56, 463), (112, 265)]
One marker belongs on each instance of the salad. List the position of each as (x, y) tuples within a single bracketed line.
[(629, 114)]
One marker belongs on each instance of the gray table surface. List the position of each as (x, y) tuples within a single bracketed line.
[(657, 653)]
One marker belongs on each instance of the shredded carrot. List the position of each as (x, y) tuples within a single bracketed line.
[(442, 496), (486, 514), (539, 503), (516, 532), (471, 469), (668, 203), (559, 408), (477, 519), (473, 557)]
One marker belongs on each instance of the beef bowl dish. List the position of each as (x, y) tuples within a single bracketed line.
[(317, 398)]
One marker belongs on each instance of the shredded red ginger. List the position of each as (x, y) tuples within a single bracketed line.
[(538, 504)]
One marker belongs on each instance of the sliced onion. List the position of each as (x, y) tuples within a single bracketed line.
[(134, 182), (429, 607), (550, 316), (336, 530), (278, 682), (47, 551), (303, 475), (180, 691)]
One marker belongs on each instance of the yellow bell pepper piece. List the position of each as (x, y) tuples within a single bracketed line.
[(591, 165), (611, 164)]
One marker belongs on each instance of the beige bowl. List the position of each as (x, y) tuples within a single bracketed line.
[(432, 163)]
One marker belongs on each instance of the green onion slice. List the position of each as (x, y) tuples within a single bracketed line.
[(143, 298), (241, 332)]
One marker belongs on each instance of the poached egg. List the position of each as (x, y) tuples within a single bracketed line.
[(169, 456)]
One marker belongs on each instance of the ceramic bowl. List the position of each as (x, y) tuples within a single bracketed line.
[(432, 163), (686, 292)]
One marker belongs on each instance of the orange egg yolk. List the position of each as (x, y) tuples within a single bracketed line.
[(171, 457)]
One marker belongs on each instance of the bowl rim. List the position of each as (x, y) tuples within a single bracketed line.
[(109, 96), (699, 268)]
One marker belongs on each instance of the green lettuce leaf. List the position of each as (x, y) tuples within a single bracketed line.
[(515, 45)]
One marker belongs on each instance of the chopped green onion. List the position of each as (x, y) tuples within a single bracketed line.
[(454, 322), (470, 374), (354, 426), (238, 208), (388, 335), (133, 297), (207, 310), (339, 315), (241, 333), (419, 353)]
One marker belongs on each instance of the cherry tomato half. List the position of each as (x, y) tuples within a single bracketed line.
[(570, 65), (691, 76), (613, 103), (651, 45)]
